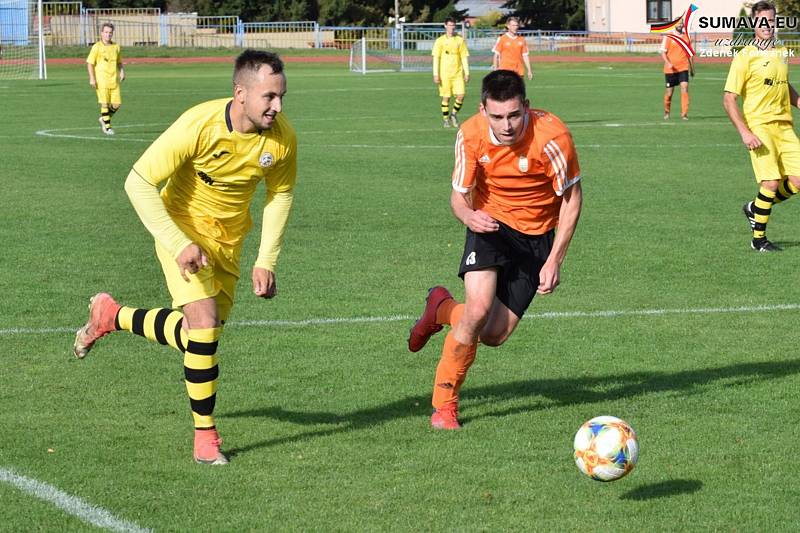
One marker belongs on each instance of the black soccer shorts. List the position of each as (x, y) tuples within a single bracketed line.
[(674, 79), (519, 258)]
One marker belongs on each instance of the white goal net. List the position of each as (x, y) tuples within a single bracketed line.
[(409, 47), (21, 40)]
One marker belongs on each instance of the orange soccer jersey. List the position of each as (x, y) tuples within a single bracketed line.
[(675, 54), (511, 49), (520, 185)]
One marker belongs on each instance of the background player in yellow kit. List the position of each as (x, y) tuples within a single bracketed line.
[(210, 160), (450, 71), (760, 75), (104, 64)]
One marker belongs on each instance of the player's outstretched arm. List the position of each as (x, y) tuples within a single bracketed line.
[(550, 276)]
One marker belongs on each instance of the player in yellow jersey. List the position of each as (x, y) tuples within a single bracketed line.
[(760, 75), (104, 64), (450, 71), (210, 162)]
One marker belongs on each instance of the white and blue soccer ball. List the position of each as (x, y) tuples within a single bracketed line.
[(606, 448)]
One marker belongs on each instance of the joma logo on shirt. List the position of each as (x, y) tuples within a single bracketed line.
[(205, 177)]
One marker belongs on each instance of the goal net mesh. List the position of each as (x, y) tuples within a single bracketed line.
[(21, 49), (408, 49)]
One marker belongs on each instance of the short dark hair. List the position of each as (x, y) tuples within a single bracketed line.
[(758, 7), (502, 86), (449, 19), (251, 60), (107, 25)]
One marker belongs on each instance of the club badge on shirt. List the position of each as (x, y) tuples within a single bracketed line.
[(266, 160), (523, 163)]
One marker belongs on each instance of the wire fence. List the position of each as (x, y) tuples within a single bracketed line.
[(69, 23)]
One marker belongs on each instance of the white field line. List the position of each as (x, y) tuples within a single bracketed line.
[(399, 318), (86, 512)]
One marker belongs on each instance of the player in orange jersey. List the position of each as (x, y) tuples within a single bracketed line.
[(511, 50), (516, 179), (677, 67)]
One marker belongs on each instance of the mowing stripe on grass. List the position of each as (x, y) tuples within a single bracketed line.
[(91, 514), (398, 318)]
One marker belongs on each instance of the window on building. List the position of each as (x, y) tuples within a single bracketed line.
[(659, 10)]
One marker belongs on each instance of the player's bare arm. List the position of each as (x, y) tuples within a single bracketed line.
[(730, 101), (121, 73), (475, 219), (92, 79), (570, 212), (794, 98)]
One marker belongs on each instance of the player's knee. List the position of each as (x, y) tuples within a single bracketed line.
[(473, 320), (770, 185), (493, 339)]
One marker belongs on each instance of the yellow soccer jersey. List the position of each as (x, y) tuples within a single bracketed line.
[(106, 60), (761, 78), (212, 170), (450, 57)]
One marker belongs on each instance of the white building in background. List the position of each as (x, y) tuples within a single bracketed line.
[(635, 16)]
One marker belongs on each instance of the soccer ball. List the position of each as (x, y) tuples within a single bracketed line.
[(606, 448)]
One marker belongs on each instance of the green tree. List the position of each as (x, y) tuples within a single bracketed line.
[(550, 14), (489, 20), (788, 8)]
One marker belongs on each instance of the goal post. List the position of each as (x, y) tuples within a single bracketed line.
[(22, 47), (409, 50)]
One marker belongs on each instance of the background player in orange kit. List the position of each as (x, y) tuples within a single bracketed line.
[(511, 50), (516, 178), (677, 67)]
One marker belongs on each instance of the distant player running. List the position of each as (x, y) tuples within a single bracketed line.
[(516, 178), (760, 75), (104, 64), (511, 51), (678, 66), (450, 71), (211, 160)]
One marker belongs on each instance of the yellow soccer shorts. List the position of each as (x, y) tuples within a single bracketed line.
[(451, 86), (779, 154), (109, 96), (217, 280)]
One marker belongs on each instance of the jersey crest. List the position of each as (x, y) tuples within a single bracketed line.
[(266, 160)]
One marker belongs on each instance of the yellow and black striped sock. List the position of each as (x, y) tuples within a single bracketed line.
[(201, 371), (786, 190), (762, 207), (106, 116), (112, 110), (457, 106), (160, 325), (445, 110)]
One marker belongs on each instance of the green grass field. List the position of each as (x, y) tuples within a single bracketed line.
[(665, 318)]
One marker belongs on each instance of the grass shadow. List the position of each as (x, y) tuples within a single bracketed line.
[(547, 393), (664, 489)]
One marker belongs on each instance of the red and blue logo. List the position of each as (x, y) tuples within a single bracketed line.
[(667, 27)]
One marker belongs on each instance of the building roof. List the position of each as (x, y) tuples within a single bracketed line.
[(479, 8)]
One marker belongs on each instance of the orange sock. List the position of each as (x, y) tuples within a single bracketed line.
[(452, 370), (449, 312), (667, 103), (684, 104)]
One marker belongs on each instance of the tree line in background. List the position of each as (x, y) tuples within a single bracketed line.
[(534, 14)]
